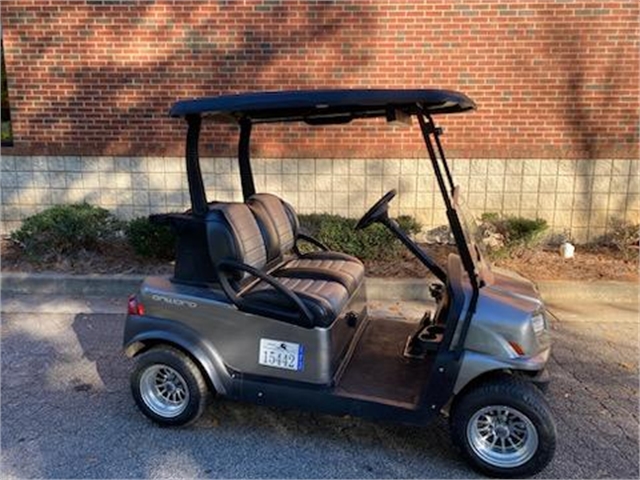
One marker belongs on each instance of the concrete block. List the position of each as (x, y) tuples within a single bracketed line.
[(7, 163), (323, 202), (530, 184), (389, 183), (123, 164), (494, 201), (290, 166), (357, 166), (307, 184), (533, 167), (511, 201), (603, 167), (140, 198), (601, 184), (409, 166), (340, 183), (324, 166), (374, 166), (567, 167), (391, 167), (514, 167), (564, 201), (496, 167), (324, 183), (123, 180), (274, 184), (340, 168), (55, 164), (548, 184), (529, 201), (307, 166), (273, 167), (621, 167), (290, 183), (512, 184), (478, 168), (584, 167), (546, 201), (580, 218), (8, 179)]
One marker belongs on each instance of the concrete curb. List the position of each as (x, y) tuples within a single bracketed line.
[(377, 288)]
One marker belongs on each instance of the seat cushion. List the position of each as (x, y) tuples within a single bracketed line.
[(324, 299), (339, 267)]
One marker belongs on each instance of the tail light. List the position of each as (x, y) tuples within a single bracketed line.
[(134, 307)]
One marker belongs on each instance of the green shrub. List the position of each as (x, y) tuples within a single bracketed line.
[(375, 242), (66, 229), (511, 235), (151, 240)]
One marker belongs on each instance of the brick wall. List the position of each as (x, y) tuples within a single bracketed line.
[(553, 79), (556, 82)]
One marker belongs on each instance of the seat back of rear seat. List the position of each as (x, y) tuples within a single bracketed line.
[(278, 221), (234, 234)]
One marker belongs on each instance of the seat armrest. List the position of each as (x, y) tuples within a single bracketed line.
[(225, 265)]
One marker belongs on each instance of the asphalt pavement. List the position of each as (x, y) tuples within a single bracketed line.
[(67, 412)]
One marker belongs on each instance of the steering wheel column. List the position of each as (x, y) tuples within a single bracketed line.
[(379, 213)]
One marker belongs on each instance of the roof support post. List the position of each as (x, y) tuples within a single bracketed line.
[(244, 159), (196, 185)]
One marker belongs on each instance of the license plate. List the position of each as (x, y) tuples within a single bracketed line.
[(279, 354)]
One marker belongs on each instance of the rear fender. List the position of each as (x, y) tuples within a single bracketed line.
[(185, 339)]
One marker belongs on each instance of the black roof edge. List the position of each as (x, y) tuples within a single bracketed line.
[(320, 107)]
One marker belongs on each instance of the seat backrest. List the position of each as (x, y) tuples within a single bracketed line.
[(278, 221), (234, 234)]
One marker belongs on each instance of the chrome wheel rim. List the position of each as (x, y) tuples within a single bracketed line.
[(502, 436), (164, 391)]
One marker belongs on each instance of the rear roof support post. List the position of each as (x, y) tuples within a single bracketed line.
[(196, 185), (244, 159)]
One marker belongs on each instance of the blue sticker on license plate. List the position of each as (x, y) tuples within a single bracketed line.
[(279, 354)]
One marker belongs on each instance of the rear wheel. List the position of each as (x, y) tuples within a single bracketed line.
[(504, 428), (168, 387)]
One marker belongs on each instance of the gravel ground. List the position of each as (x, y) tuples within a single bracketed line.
[(67, 411)]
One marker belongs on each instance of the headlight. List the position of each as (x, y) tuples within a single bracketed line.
[(538, 323)]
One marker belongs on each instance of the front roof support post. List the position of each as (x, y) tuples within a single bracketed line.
[(244, 159), (196, 185)]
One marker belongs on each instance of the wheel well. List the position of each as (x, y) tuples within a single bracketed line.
[(489, 376), (144, 346)]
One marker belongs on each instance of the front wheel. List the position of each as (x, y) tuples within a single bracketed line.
[(168, 387), (504, 428)]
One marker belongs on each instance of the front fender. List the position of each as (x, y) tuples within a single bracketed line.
[(141, 329), (474, 364)]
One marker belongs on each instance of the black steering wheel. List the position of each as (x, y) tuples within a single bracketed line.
[(378, 212)]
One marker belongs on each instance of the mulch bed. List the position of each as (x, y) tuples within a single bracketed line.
[(589, 264)]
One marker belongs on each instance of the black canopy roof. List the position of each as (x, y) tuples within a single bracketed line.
[(322, 106)]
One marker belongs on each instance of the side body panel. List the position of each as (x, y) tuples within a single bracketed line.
[(231, 339)]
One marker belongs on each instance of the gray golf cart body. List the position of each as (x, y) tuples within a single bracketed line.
[(351, 363)]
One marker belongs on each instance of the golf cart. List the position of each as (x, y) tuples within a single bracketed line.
[(252, 316)]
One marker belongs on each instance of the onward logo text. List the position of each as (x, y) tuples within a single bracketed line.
[(174, 301)]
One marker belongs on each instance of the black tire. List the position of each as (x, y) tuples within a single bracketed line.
[(178, 405), (472, 435)]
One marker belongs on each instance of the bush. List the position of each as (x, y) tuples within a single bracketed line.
[(151, 240), (624, 236), (66, 229), (511, 235), (375, 242)]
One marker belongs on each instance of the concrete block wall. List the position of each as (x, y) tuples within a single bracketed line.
[(575, 196)]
